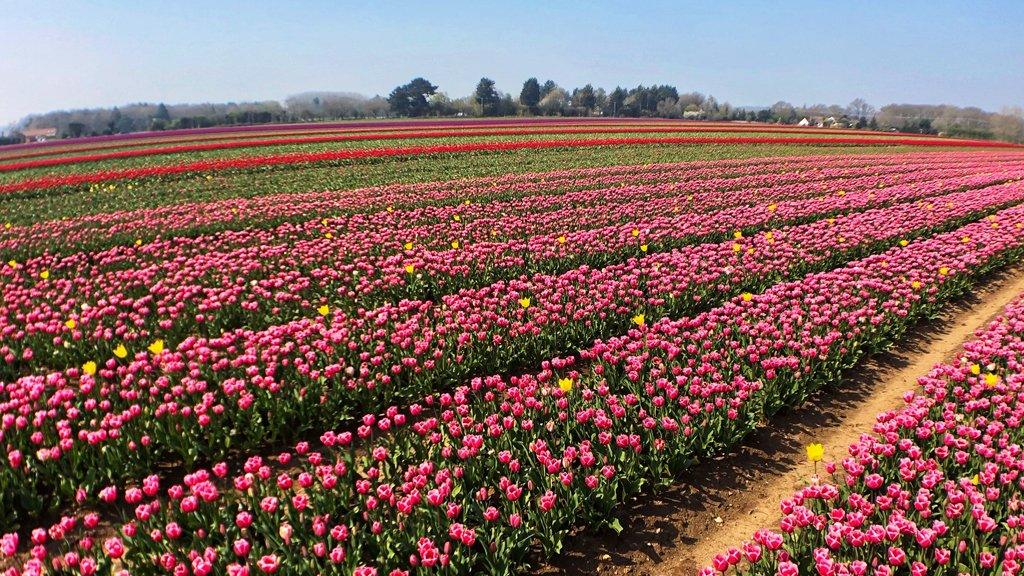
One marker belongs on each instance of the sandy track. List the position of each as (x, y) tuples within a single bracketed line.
[(720, 503)]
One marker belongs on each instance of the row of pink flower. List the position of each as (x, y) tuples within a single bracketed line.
[(209, 166), (936, 489), (468, 481), (26, 162), (150, 155), (495, 202), (236, 132), (238, 212), (82, 309), (114, 301), (248, 387), (434, 226), (443, 268)]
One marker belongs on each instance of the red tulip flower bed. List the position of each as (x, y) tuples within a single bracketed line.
[(301, 158)]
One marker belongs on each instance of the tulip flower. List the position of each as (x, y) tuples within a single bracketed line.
[(815, 452)]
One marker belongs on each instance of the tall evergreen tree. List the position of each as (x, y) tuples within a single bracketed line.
[(411, 99), (486, 96), (530, 95), (615, 101)]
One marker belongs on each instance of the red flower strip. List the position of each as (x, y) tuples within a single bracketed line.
[(335, 155)]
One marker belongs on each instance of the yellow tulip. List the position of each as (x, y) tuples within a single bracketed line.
[(643, 247), (408, 245), (737, 234), (409, 268), (561, 239), (120, 351), (7, 226), (44, 274), (747, 296), (636, 232), (965, 239), (736, 247), (457, 218), (991, 380), (772, 207), (12, 263), (943, 271), (89, 368), (904, 242), (639, 319), (565, 384), (916, 285), (324, 221), (524, 302), (391, 208), (455, 244), (815, 452), (324, 310), (975, 369), (71, 323), (157, 346), (328, 235)]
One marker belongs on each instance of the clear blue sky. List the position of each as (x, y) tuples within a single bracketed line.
[(63, 54)]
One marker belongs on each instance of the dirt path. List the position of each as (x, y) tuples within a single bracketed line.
[(720, 503)]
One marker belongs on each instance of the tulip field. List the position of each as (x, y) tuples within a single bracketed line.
[(441, 347), (935, 490)]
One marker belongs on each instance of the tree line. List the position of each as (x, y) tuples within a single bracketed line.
[(421, 98)]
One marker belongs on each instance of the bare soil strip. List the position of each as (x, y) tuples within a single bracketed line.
[(720, 503)]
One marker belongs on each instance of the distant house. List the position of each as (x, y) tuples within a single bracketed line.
[(693, 114), (829, 122), (39, 134), (804, 122)]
